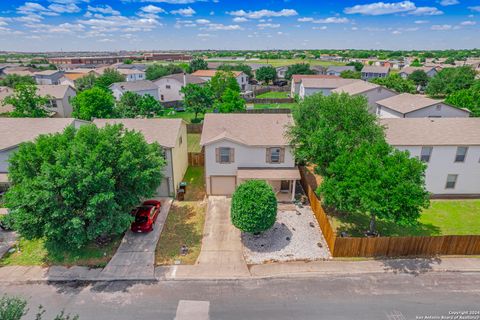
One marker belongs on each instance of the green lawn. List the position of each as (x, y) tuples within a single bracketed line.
[(274, 105), (273, 95), (444, 217), (193, 141), (185, 115), (195, 178), (34, 253)]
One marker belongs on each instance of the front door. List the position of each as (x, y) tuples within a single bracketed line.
[(285, 186)]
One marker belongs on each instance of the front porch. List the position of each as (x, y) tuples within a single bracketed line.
[(282, 180)]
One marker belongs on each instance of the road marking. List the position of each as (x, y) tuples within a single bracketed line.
[(193, 310)]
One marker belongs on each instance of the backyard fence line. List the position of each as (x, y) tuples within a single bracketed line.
[(264, 89), (194, 127), (269, 100), (272, 110), (385, 246), (196, 159)]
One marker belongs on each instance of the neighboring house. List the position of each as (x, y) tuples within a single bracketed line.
[(337, 70), (142, 87), (132, 74), (405, 72), (171, 135), (281, 71), (408, 105), (5, 92), (373, 92), (169, 86), (297, 80), (60, 105), (309, 86), (241, 77), (240, 147), (318, 69), (371, 72), (14, 131), (48, 77), (21, 71), (449, 146)]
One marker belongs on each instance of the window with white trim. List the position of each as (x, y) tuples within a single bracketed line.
[(451, 181), (224, 155), (275, 155), (425, 154), (461, 154)]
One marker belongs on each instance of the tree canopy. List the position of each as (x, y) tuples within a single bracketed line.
[(221, 81), (86, 82), (450, 80), (74, 187), (349, 74), (254, 206), (467, 99), (27, 103), (358, 65), (93, 103), (109, 77), (237, 67), (231, 101), (330, 126), (377, 180), (266, 74), (12, 80), (133, 105), (197, 64), (397, 83), (197, 99), (419, 77), (156, 71), (299, 68)]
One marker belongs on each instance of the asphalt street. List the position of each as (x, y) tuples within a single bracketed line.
[(374, 296)]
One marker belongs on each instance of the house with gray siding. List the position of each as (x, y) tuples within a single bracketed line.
[(373, 92)]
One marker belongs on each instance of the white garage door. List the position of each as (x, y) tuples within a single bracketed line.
[(222, 186)]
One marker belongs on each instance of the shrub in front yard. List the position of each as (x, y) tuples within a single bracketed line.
[(254, 206)]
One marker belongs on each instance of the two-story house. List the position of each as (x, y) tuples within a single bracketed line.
[(449, 146), (310, 86), (242, 78), (407, 105), (372, 92), (48, 77), (429, 71), (297, 80), (60, 99), (171, 135), (142, 87), (240, 147), (169, 86)]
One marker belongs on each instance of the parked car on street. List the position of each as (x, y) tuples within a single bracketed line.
[(145, 216)]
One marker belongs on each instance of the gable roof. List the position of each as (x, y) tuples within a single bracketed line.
[(57, 91), (47, 72), (246, 128), (340, 68), (163, 131), (410, 70), (327, 83), (74, 76), (407, 102), (188, 77), (129, 71), (211, 73), (14, 131), (357, 87), (139, 85), (375, 69), (432, 131), (296, 78)]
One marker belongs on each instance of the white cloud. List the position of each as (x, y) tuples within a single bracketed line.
[(34, 8), (152, 9), (221, 27), (396, 32), (205, 35), (106, 9), (118, 23), (55, 29), (380, 8), (202, 21), (185, 12), (170, 1), (426, 11), (448, 2), (468, 23), (441, 27), (476, 8), (268, 25), (240, 19), (68, 1), (320, 28), (326, 20), (263, 13), (64, 8), (421, 21)]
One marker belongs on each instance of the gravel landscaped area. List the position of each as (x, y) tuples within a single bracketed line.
[(295, 236)]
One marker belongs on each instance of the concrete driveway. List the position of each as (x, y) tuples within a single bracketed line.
[(222, 249), (135, 257)]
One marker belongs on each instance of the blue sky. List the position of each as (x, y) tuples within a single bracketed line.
[(50, 25)]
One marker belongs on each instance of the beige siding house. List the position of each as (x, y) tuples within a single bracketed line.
[(240, 147), (171, 135), (169, 86)]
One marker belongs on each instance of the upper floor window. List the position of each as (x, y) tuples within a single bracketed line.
[(461, 154), (224, 155), (451, 181), (167, 86), (425, 154), (275, 155)]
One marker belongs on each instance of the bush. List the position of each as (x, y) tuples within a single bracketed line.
[(254, 206)]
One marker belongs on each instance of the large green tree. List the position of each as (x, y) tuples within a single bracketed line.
[(329, 126), (27, 103), (12, 80), (231, 101), (350, 74), (449, 80), (237, 67), (221, 81), (467, 99), (419, 77), (74, 187), (397, 83), (198, 99), (377, 180), (86, 82), (299, 68), (156, 71), (109, 77), (133, 105), (358, 65), (266, 74), (197, 64), (93, 103)]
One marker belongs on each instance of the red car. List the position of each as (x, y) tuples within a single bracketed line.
[(145, 216)]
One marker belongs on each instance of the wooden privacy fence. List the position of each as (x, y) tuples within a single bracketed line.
[(269, 100), (264, 89), (196, 159), (194, 127), (385, 246)]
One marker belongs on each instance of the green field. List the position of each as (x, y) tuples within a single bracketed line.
[(444, 217), (273, 95)]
